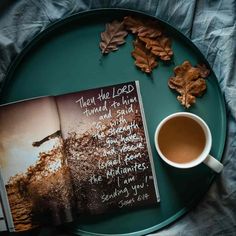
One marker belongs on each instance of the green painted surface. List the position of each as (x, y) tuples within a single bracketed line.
[(66, 58)]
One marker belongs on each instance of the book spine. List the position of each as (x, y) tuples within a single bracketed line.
[(147, 140), (5, 206)]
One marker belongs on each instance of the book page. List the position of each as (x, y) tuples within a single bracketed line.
[(31, 165), (107, 149)]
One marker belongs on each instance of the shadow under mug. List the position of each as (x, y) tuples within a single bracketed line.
[(204, 157)]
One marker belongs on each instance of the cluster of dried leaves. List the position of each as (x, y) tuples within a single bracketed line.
[(189, 82), (149, 45)]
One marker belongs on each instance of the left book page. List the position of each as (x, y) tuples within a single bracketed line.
[(33, 172)]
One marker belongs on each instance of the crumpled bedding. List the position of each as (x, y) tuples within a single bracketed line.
[(211, 25)]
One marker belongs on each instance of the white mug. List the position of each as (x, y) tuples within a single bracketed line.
[(204, 157)]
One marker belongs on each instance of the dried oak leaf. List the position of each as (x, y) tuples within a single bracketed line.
[(188, 83), (112, 37), (204, 71), (144, 59), (147, 28), (133, 24), (161, 46)]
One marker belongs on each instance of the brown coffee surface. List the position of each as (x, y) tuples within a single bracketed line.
[(181, 139)]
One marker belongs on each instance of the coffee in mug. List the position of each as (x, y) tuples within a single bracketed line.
[(183, 140)]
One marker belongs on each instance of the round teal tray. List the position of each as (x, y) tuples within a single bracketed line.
[(65, 58)]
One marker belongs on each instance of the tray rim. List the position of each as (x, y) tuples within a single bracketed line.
[(75, 16)]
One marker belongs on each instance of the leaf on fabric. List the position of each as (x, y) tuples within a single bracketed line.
[(143, 28), (144, 59), (188, 82), (160, 46), (113, 36)]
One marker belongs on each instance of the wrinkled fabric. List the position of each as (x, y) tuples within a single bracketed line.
[(211, 25)]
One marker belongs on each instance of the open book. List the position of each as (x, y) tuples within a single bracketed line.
[(81, 153)]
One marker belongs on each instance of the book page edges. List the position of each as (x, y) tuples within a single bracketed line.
[(147, 141), (5, 205), (25, 100)]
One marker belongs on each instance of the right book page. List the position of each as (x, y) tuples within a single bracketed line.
[(107, 148)]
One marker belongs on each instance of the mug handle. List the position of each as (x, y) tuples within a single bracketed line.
[(215, 165)]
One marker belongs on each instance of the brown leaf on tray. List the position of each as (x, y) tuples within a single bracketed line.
[(132, 24), (204, 71), (112, 37), (188, 83), (143, 28), (161, 46), (144, 59)]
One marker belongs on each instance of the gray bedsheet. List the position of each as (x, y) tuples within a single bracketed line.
[(211, 25)]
